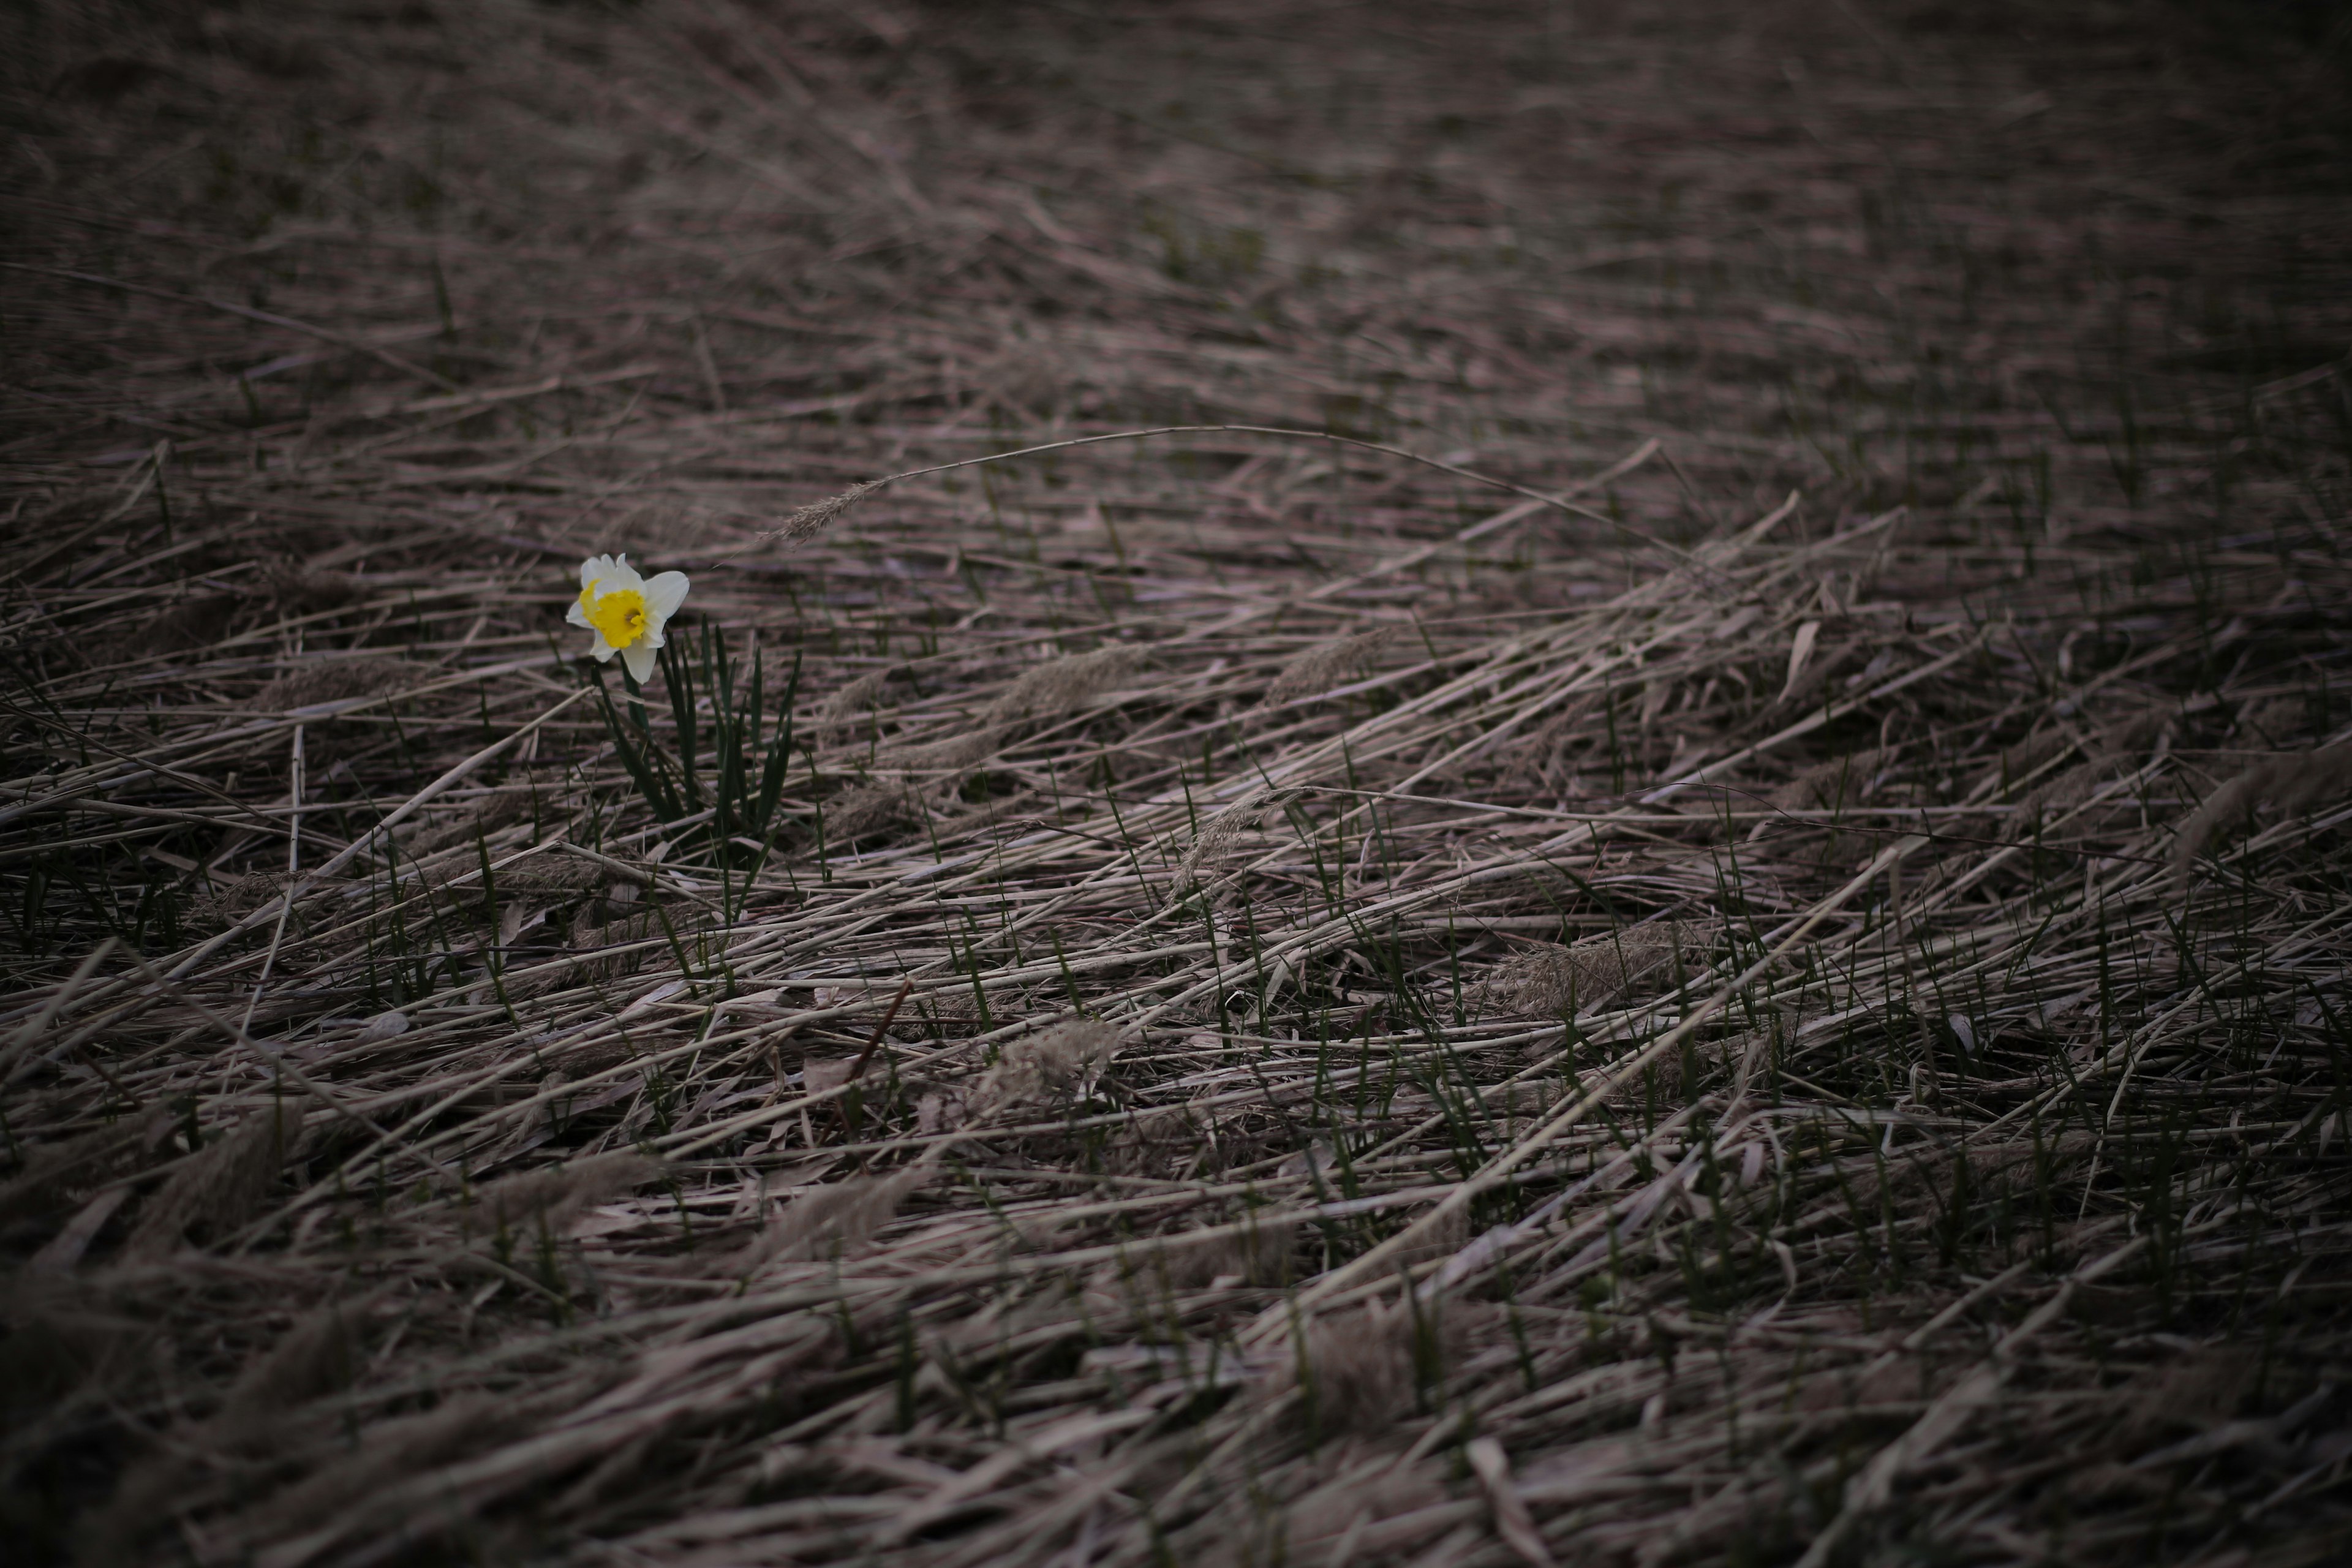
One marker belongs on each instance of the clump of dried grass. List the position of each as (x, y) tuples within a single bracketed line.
[(197, 621), (1218, 836), (612, 942), (260, 1414), (1061, 1060), (1321, 668), (215, 1191), (1062, 686), (1039, 695), (301, 591), (502, 808), (1258, 1255), (320, 1354), (2288, 784), (1368, 1503), (341, 681), (229, 900), (2117, 744), (870, 808), (954, 1344), (1359, 1369), (390, 1452), (1549, 981), (833, 1221), (52, 1175), (847, 705), (2276, 721), (558, 878), (551, 1198), (1829, 785)]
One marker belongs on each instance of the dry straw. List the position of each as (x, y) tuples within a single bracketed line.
[(550, 1199), (1058, 1061), (1340, 1217), (2288, 784), (836, 1220), (215, 1191), (1321, 668), (1549, 981), (1062, 686), (339, 680)]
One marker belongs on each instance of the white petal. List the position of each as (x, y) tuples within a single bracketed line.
[(595, 569), (664, 595), (604, 650), (622, 575), (578, 614), (640, 660)]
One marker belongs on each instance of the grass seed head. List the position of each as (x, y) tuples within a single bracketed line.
[(818, 516), (55, 1174), (217, 1190), (1550, 981), (341, 681), (1218, 835), (551, 1198), (1321, 668), (1062, 686), (847, 706), (1356, 1370), (2288, 783), (1061, 1060), (831, 1221)]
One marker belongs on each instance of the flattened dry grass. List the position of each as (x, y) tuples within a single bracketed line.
[(1768, 987)]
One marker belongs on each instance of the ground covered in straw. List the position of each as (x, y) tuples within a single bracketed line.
[(1708, 926)]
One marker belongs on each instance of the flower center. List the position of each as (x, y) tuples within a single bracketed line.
[(619, 615)]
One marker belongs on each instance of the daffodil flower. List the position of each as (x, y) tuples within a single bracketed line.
[(625, 612)]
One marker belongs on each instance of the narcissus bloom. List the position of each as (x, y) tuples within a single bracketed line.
[(624, 611)]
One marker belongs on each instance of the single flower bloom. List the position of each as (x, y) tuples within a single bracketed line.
[(625, 612)]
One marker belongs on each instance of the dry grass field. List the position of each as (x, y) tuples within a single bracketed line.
[(1593, 808)]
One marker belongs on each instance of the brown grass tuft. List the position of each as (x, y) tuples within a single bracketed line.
[(391, 1451), (301, 591), (855, 813), (1553, 982), (1061, 1060), (215, 1191), (1062, 686), (548, 1200), (1261, 1254), (1319, 669), (55, 1174), (341, 679), (818, 516), (1218, 836), (498, 810), (1359, 1369), (1830, 785), (832, 1221), (320, 1354), (230, 899), (2288, 783), (851, 704)]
